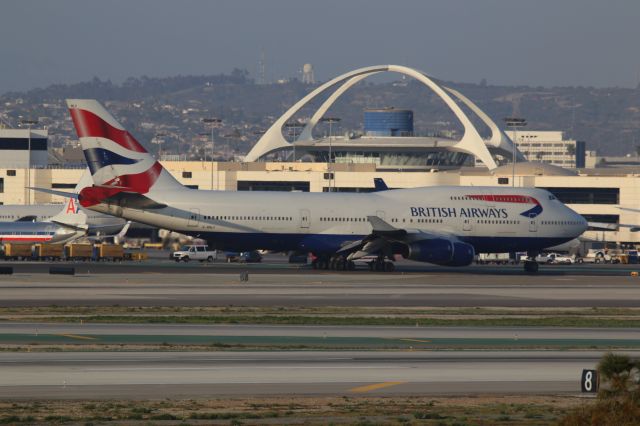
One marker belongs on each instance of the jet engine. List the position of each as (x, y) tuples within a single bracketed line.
[(441, 251)]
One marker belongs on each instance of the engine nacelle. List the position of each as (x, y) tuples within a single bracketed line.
[(441, 251)]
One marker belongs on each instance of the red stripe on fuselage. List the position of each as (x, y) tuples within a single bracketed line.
[(90, 125), (520, 199), (25, 238)]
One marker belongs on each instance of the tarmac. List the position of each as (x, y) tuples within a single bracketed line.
[(416, 365), (308, 289), (129, 375)]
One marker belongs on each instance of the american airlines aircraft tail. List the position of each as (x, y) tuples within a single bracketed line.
[(440, 225)]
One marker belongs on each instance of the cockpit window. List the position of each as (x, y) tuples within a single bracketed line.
[(551, 197)]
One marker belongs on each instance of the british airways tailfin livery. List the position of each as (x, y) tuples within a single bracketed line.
[(439, 225)]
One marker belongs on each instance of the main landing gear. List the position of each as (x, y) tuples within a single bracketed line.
[(340, 263), (335, 263), (381, 265)]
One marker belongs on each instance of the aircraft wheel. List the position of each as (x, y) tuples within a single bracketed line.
[(380, 266), (351, 265), (332, 263), (389, 267)]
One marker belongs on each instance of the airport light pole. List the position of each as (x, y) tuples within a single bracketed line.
[(293, 126), (29, 123), (514, 123), (330, 120), (213, 123), (158, 141)]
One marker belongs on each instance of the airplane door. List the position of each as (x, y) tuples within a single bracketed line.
[(305, 218), (193, 218), (533, 226), (466, 225)]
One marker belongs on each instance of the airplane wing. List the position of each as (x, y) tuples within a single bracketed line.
[(384, 237), (119, 235), (54, 192), (614, 226)]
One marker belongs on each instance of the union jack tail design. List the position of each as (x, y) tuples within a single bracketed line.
[(118, 163)]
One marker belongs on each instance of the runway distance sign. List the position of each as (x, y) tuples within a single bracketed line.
[(589, 382)]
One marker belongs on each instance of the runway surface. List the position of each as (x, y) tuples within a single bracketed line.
[(315, 337), (389, 332), (319, 290), (90, 375)]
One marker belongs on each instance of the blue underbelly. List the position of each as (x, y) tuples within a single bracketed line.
[(330, 243)]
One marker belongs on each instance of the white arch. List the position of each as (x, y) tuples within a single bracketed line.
[(273, 139), (306, 134), (498, 138)]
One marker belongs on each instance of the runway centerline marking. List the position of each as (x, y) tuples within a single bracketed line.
[(416, 340), (76, 336), (375, 386)]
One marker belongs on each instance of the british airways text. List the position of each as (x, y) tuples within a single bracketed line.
[(459, 212)]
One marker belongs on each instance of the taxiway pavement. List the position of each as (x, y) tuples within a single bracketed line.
[(94, 375), (304, 289)]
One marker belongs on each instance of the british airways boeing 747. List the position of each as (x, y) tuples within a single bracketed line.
[(439, 225)]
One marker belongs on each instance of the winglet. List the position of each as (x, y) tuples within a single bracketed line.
[(380, 185)]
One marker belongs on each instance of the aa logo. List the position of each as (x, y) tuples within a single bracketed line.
[(72, 206)]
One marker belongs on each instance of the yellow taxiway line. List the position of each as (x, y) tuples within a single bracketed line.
[(375, 386), (75, 336)]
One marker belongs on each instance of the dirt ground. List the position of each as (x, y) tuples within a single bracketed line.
[(459, 410)]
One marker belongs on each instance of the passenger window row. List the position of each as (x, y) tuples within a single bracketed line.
[(560, 222), (266, 218), (343, 219), (499, 222)]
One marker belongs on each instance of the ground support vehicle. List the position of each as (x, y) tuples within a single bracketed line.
[(113, 252), (17, 251), (497, 258), (78, 251), (48, 251), (194, 252)]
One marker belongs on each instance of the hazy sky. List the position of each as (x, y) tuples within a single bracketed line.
[(535, 42)]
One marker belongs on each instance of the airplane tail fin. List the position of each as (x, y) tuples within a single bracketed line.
[(71, 216), (117, 161)]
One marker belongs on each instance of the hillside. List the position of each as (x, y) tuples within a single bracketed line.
[(172, 109)]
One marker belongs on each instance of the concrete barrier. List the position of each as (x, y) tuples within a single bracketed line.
[(62, 270)]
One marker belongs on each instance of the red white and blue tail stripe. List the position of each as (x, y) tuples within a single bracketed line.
[(117, 161)]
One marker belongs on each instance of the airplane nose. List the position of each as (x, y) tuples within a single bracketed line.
[(583, 222)]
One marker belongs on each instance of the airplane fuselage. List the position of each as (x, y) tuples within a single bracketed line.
[(492, 219)]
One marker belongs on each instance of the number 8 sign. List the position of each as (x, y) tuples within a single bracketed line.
[(589, 382)]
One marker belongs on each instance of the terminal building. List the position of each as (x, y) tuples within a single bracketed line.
[(388, 148), (551, 147)]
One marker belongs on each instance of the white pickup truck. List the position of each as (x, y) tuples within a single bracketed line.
[(194, 252), (554, 258)]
